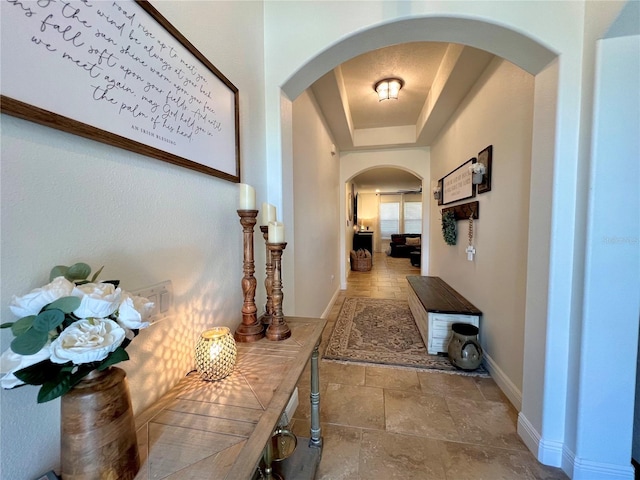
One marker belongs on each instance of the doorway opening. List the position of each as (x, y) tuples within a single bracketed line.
[(535, 59)]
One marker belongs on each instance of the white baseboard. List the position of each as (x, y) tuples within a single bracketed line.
[(327, 310), (547, 453), (590, 470), (568, 461), (506, 385), (551, 453), (529, 435), (556, 454)]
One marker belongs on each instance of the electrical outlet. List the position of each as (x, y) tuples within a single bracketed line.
[(161, 295)]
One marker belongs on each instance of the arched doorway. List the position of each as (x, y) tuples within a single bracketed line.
[(542, 386), (415, 163)]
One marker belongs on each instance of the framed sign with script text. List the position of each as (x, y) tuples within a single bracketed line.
[(119, 73), (458, 184)]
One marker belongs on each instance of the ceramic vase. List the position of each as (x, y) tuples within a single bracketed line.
[(97, 429), (464, 349)]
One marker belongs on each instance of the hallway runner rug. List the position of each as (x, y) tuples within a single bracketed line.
[(374, 331)]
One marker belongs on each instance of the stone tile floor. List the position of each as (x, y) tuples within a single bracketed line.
[(386, 423)]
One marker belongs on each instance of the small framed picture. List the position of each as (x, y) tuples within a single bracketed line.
[(485, 156), (50, 475)]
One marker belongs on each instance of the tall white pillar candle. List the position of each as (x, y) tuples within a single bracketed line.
[(268, 213), (276, 232), (247, 197)]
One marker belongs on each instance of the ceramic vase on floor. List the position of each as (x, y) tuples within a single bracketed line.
[(464, 349), (97, 431)]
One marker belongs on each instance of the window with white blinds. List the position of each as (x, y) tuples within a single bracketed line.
[(412, 217), (389, 219)]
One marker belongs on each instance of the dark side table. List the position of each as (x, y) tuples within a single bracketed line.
[(415, 257)]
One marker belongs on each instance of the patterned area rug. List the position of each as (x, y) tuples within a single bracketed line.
[(383, 332)]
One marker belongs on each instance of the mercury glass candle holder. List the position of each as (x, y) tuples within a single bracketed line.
[(215, 354)]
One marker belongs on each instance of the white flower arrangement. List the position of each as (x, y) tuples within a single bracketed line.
[(478, 168), (67, 329)]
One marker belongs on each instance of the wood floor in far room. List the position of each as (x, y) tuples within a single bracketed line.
[(386, 423)]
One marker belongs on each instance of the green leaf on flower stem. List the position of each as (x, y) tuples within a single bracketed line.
[(58, 271), (117, 356), (63, 382), (22, 325), (55, 388), (48, 320), (29, 342), (40, 372), (95, 275), (66, 304), (7, 325), (78, 271)]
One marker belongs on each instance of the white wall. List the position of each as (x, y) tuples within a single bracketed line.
[(612, 297), (498, 111), (316, 210), (541, 381), (66, 199)]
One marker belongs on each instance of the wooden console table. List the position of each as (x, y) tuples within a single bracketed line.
[(435, 306), (218, 430)]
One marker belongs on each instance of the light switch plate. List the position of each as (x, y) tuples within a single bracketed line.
[(161, 295)]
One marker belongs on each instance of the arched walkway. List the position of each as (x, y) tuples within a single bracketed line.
[(564, 398), (415, 162), (544, 385)]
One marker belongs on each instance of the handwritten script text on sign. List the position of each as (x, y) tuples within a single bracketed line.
[(111, 64)]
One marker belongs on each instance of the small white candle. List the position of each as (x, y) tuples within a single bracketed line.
[(247, 197), (268, 213), (276, 232)]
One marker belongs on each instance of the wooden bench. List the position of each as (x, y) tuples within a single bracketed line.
[(435, 307)]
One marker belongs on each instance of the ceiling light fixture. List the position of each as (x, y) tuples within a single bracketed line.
[(388, 88)]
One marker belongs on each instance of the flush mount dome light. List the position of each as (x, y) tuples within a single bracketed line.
[(388, 88)]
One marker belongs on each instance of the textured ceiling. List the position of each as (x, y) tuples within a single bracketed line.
[(415, 63), (437, 76)]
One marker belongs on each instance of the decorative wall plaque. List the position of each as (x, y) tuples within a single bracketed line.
[(119, 73)]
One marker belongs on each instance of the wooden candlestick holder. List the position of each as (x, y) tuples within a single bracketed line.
[(278, 328), (250, 330), (268, 281)]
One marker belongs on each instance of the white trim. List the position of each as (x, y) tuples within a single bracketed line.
[(556, 454), (506, 385), (327, 310), (528, 433), (588, 470), (546, 452), (568, 461), (551, 452)]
